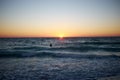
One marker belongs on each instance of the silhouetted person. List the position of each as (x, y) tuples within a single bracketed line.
[(50, 45)]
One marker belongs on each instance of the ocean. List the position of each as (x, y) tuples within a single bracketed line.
[(80, 58)]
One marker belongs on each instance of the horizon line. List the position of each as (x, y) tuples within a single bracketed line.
[(57, 37)]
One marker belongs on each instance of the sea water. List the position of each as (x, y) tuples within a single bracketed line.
[(67, 58)]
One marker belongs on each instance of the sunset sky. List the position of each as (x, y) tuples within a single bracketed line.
[(53, 18)]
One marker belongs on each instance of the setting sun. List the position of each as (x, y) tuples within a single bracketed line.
[(61, 36)]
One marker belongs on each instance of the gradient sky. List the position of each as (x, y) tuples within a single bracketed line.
[(52, 18)]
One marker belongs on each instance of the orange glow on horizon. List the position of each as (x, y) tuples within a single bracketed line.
[(61, 36), (7, 32)]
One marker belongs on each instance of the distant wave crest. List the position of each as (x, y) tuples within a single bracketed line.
[(72, 48), (55, 54)]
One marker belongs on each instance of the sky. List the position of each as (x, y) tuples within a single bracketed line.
[(54, 18)]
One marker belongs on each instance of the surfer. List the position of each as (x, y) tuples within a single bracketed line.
[(50, 45)]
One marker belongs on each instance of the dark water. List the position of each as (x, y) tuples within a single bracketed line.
[(67, 59)]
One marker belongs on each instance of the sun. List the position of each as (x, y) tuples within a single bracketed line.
[(61, 36)]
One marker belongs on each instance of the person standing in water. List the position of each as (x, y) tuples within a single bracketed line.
[(50, 45)]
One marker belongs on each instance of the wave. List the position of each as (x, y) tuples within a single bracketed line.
[(72, 48), (87, 48), (94, 42), (22, 54), (29, 48)]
